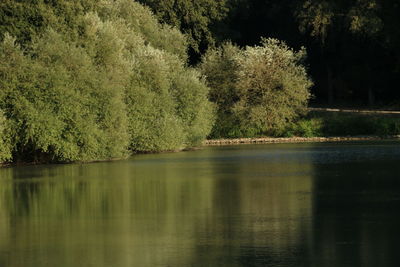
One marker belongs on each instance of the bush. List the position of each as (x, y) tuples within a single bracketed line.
[(5, 146), (258, 90), (154, 124), (167, 103), (119, 81), (194, 109), (321, 124), (220, 67), (141, 20), (60, 105), (312, 127)]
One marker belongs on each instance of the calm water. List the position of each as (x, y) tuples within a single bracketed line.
[(264, 205)]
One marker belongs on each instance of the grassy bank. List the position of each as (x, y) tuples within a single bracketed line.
[(325, 124)]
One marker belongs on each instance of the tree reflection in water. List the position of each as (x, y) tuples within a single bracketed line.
[(273, 205)]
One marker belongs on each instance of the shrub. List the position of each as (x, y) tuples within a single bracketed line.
[(119, 81), (258, 90), (60, 105), (220, 67), (5, 146), (343, 124), (305, 127), (153, 123), (141, 20), (193, 107)]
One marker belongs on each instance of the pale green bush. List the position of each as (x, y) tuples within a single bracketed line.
[(154, 124), (258, 90), (142, 21), (196, 113), (59, 104), (166, 101), (121, 82), (273, 87)]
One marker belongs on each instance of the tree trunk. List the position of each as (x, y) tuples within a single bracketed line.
[(330, 86), (371, 96)]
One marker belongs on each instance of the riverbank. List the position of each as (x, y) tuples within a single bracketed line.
[(237, 141), (280, 140)]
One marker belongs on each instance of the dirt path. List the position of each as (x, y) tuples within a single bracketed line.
[(357, 111)]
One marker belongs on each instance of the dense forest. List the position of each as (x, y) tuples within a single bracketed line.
[(87, 80)]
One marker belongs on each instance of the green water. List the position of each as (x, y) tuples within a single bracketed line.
[(264, 205)]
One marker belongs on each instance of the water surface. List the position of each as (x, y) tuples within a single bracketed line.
[(250, 205)]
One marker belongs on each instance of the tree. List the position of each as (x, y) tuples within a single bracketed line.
[(61, 106), (92, 87), (261, 88), (24, 19), (193, 18), (5, 145), (355, 45), (220, 67)]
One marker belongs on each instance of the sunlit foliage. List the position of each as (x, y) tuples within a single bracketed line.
[(108, 79), (262, 88)]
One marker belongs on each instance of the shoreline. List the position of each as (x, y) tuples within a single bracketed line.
[(227, 142), (294, 140)]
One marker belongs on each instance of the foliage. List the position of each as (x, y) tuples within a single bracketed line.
[(194, 18), (139, 19), (358, 16), (357, 57), (25, 19), (5, 146), (258, 90), (304, 127), (119, 81), (320, 124), (60, 106), (220, 68), (273, 86), (352, 44)]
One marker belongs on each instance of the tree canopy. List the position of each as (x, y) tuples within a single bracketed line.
[(96, 83), (258, 90), (352, 45), (193, 18)]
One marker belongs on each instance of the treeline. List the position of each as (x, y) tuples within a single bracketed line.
[(88, 80), (352, 45)]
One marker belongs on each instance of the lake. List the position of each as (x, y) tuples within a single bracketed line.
[(250, 205)]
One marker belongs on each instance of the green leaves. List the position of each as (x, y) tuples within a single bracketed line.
[(260, 88), (5, 145), (357, 16), (193, 18), (97, 82)]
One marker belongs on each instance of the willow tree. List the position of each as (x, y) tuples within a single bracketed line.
[(94, 86)]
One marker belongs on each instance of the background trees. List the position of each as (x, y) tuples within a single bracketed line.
[(194, 18), (358, 62), (352, 45)]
